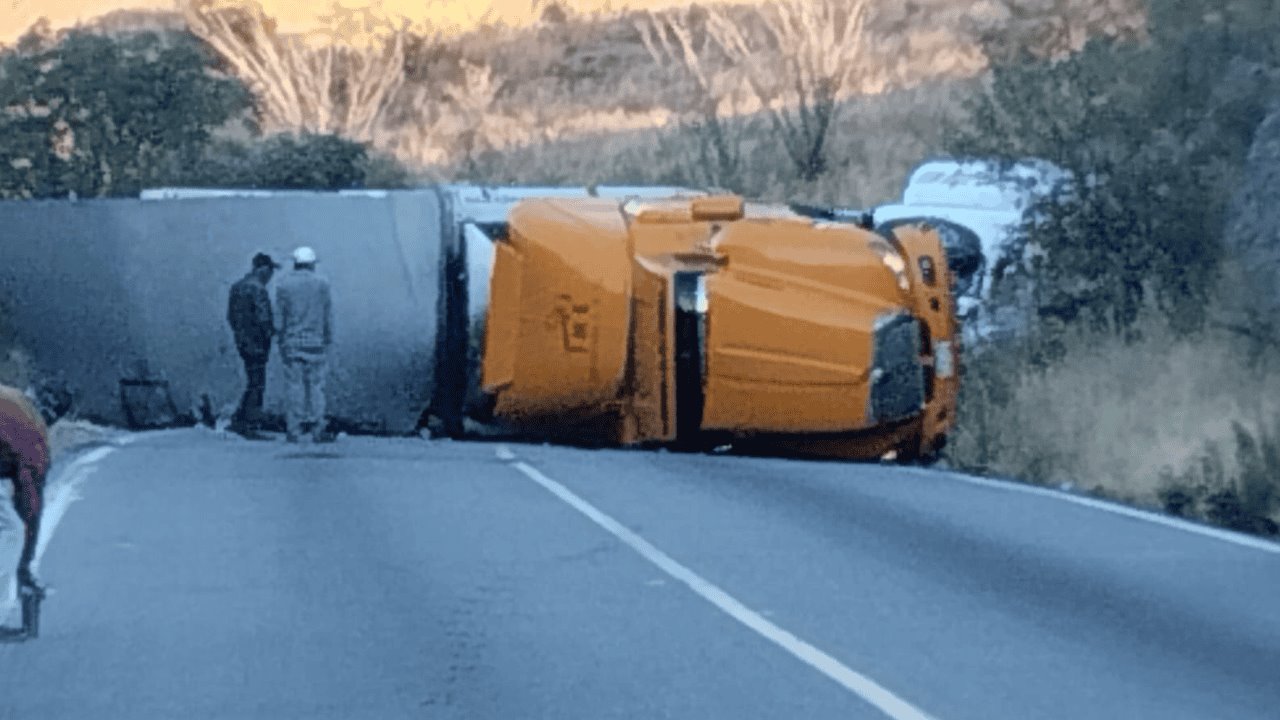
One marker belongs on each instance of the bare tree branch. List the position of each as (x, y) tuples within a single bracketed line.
[(670, 40), (823, 51), (327, 85)]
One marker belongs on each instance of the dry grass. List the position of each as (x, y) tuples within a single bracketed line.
[(593, 75), (596, 65), (1127, 420), (873, 148), (548, 81)]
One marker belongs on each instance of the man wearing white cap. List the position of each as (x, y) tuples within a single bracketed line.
[(306, 332)]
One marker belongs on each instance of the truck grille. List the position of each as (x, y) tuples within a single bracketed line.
[(897, 377)]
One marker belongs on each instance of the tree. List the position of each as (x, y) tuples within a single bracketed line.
[(327, 162), (104, 116), (343, 80), (1155, 134), (1053, 29), (679, 39), (800, 63)]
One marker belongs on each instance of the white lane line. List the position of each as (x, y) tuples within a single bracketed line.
[(860, 685), (1111, 507), (64, 489)]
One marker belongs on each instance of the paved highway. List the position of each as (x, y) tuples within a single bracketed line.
[(204, 577)]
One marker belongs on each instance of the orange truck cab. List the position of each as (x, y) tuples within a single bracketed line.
[(707, 320)]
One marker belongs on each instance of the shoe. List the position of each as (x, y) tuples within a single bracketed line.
[(29, 584), (12, 635), (292, 438), (325, 437), (39, 593)]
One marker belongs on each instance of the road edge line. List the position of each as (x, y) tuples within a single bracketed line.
[(1109, 506), (860, 685)]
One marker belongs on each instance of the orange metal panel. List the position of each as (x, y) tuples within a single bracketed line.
[(573, 310), (790, 325), (650, 401)]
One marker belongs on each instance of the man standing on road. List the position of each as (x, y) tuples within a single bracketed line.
[(24, 464), (250, 317), (306, 332)]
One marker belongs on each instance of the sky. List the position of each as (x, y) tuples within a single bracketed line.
[(17, 15)]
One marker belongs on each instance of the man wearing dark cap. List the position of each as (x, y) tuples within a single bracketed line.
[(249, 314)]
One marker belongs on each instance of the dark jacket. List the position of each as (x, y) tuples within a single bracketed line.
[(306, 312), (249, 314)]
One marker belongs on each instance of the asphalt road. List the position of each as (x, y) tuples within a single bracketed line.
[(203, 577)]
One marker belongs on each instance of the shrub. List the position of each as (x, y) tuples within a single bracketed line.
[(287, 161), (1243, 494), (1155, 134)]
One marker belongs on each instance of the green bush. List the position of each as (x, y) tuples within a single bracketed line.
[(296, 162), (876, 142), (103, 116)]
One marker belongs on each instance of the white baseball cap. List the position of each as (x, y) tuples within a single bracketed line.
[(304, 255)]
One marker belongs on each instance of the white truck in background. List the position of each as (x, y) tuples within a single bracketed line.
[(979, 207)]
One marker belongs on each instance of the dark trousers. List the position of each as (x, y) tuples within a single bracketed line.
[(249, 414), (19, 530), (30, 541)]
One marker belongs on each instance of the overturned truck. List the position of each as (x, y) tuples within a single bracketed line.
[(706, 320), (631, 316)]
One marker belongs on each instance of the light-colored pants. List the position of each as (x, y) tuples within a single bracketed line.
[(305, 374), (12, 535)]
